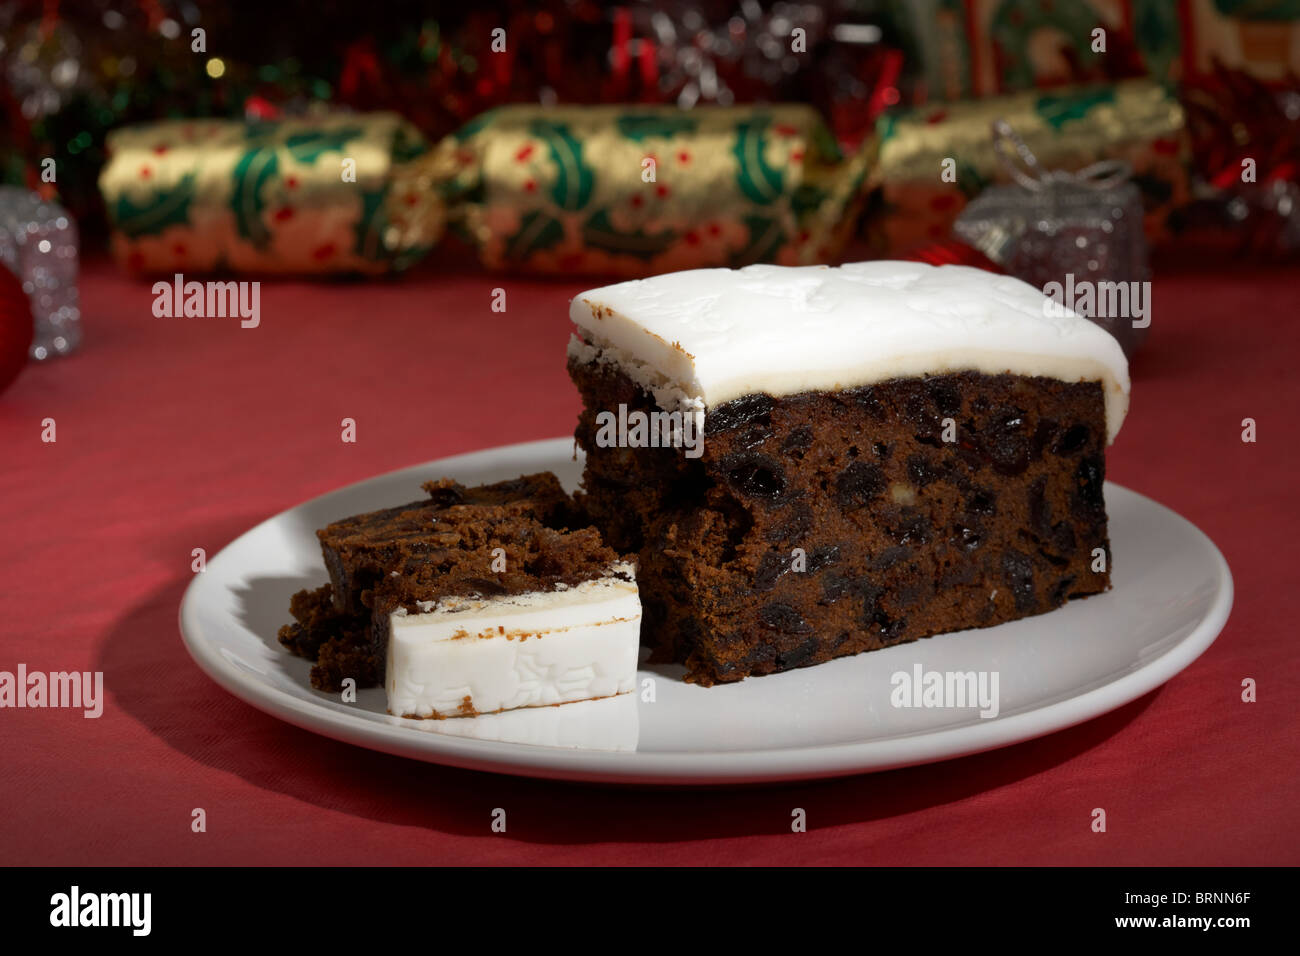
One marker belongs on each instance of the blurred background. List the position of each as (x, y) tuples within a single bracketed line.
[(194, 137)]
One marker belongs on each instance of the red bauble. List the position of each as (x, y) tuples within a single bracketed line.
[(15, 327)]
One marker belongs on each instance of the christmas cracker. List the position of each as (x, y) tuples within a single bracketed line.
[(606, 190), (310, 195)]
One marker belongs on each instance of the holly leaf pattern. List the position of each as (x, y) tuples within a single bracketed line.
[(807, 198), (969, 179), (757, 180), (822, 143), (476, 125), (260, 164), (1158, 34), (766, 237), (165, 207), (887, 127), (255, 169), (537, 231), (408, 144), (1056, 111), (643, 126), (307, 147), (369, 228), (599, 233), (574, 180)]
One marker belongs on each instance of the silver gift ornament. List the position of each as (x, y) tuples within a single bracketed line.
[(38, 244), (1071, 231)]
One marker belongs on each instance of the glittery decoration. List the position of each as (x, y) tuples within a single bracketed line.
[(701, 58), (48, 70), (1075, 229), (38, 243), (1236, 121)]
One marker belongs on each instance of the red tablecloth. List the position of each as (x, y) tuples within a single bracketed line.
[(182, 433)]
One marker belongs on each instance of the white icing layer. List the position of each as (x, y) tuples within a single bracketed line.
[(526, 650), (706, 336)]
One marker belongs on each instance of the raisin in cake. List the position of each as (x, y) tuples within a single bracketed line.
[(890, 450)]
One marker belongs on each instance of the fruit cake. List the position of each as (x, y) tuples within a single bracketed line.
[(359, 549), (890, 450), (475, 601)]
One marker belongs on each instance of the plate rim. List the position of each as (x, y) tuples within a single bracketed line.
[(713, 767)]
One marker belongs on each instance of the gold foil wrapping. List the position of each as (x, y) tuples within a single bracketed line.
[(641, 190), (597, 190), (600, 190), (1138, 121), (311, 195)]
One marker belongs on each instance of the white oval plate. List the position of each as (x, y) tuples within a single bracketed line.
[(1171, 596)]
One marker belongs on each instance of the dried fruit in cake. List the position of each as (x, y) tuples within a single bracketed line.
[(891, 451)]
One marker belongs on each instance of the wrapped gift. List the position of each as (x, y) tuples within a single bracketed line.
[(1260, 38), (976, 48), (1137, 121), (1063, 232)]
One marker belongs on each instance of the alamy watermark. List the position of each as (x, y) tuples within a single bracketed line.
[(72, 689), (1099, 300), (657, 429), (75, 908), (946, 689), (209, 300)]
